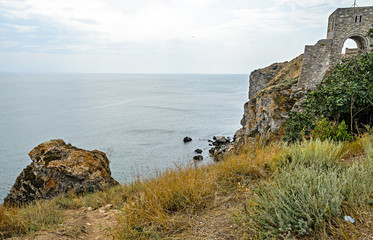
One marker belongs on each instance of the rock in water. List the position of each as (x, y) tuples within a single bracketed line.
[(199, 151), (187, 139), (220, 140), (198, 158), (58, 168), (221, 145)]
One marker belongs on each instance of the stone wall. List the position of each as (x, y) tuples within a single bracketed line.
[(281, 87), (343, 24)]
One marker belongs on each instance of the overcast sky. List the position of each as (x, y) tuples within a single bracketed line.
[(158, 36)]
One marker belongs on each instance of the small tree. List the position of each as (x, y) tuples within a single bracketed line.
[(346, 94)]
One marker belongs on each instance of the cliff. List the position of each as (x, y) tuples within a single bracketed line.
[(272, 95)]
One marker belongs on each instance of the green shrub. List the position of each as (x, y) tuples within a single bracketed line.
[(314, 153), (346, 94), (310, 188), (331, 130), (299, 202), (299, 126)]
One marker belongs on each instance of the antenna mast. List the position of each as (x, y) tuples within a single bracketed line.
[(355, 5)]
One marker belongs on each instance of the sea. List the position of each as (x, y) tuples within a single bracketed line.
[(139, 120)]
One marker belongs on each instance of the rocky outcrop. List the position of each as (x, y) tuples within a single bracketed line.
[(222, 145), (261, 77), (272, 95), (58, 168)]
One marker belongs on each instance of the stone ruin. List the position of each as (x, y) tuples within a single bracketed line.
[(344, 23), (282, 87)]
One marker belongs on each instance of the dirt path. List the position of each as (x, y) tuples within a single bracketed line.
[(83, 223), (89, 224)]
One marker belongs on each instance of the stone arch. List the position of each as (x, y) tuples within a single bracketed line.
[(361, 41)]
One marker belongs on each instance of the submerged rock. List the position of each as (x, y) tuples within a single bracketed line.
[(58, 168)]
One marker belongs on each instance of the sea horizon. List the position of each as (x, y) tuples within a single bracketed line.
[(139, 120)]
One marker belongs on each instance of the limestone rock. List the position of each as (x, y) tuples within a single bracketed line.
[(58, 168), (261, 77), (271, 98)]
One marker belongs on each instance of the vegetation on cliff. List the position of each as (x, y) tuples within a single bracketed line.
[(344, 100)]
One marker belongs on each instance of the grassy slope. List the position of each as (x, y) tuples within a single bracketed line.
[(278, 190)]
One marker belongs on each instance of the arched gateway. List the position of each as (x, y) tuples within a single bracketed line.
[(344, 23)]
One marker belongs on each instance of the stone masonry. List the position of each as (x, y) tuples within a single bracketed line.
[(344, 23)]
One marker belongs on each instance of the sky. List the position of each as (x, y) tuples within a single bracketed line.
[(158, 36)]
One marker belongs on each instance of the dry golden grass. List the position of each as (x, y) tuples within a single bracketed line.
[(172, 204), (25, 220), (342, 230), (166, 204)]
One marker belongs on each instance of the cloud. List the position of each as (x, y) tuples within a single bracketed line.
[(311, 3), (17, 28), (123, 26)]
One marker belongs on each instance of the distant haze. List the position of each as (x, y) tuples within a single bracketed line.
[(158, 36)]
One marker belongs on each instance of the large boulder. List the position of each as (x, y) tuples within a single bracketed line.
[(59, 168)]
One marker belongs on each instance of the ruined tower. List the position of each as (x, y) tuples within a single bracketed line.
[(344, 23)]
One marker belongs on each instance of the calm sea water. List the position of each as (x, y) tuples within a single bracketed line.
[(138, 120)]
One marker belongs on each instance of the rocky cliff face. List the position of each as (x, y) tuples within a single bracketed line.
[(58, 168), (272, 95)]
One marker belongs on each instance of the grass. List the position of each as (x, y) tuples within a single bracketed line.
[(311, 188), (29, 219), (166, 204), (286, 192)]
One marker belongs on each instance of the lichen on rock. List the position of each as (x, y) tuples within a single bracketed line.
[(59, 168)]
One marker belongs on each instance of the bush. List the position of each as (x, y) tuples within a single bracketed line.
[(331, 130), (346, 94), (298, 126), (299, 202)]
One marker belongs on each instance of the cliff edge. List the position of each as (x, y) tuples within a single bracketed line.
[(273, 93)]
